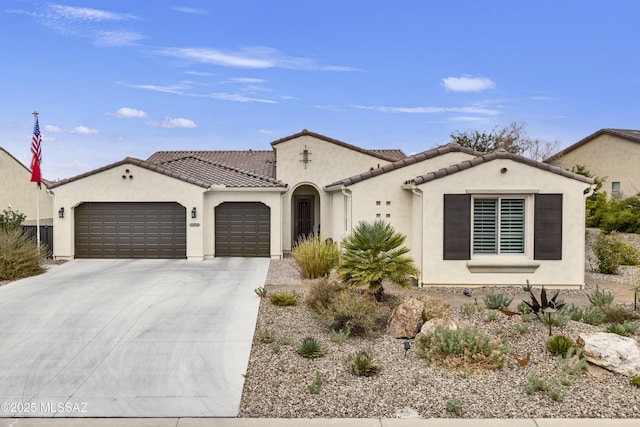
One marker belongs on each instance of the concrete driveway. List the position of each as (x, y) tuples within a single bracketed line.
[(129, 338)]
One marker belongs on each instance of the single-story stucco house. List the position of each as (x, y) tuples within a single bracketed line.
[(470, 219)]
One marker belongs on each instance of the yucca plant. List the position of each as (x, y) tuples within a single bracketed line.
[(374, 252)]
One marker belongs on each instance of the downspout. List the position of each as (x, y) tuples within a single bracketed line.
[(284, 194), (415, 190), (348, 215)]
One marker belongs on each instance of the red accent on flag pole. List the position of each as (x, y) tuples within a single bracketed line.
[(36, 175)]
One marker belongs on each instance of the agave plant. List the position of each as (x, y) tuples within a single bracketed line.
[(538, 306)]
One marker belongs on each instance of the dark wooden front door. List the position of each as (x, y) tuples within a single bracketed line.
[(303, 216)]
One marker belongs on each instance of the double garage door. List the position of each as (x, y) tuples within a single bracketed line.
[(130, 230)]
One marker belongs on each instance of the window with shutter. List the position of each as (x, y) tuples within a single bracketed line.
[(498, 226)]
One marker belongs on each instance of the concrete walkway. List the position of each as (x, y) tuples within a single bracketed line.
[(317, 422), (129, 338)]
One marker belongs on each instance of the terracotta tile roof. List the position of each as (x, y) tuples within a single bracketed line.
[(406, 161), (137, 162), (388, 155), (261, 162), (632, 135), (213, 173), (498, 154)]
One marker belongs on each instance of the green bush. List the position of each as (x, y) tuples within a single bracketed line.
[(574, 312), (462, 348), (11, 220), (311, 348), (284, 299), (339, 337), (560, 345), (362, 364), (607, 255), (315, 256), (454, 406), (496, 301), (559, 318), (19, 256), (622, 215), (593, 316), (636, 381), (600, 298), (625, 329)]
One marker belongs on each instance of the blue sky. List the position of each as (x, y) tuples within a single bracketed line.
[(115, 78)]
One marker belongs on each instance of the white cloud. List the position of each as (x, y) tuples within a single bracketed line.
[(468, 84), (53, 129), (255, 57), (177, 122), (265, 132), (129, 113), (248, 80), (191, 10), (238, 98), (177, 89), (199, 73), (83, 130), (116, 38), (542, 98), (430, 110), (87, 14)]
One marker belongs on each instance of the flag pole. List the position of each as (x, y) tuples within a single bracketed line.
[(35, 116)]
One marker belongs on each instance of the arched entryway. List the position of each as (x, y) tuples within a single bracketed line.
[(305, 211)]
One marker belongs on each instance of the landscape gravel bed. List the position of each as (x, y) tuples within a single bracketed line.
[(277, 380)]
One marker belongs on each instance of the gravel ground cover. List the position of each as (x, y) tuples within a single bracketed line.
[(279, 381)]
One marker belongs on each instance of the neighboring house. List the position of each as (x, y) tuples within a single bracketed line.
[(19, 193), (470, 219), (612, 154)]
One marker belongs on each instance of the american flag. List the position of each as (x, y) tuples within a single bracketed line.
[(36, 175)]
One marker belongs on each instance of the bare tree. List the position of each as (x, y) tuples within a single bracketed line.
[(511, 138)]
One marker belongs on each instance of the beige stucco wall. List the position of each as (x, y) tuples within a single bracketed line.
[(329, 162), (17, 190), (270, 197), (519, 180), (143, 186), (608, 156)]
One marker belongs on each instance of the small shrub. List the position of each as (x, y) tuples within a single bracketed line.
[(454, 406), (320, 294), (523, 308), (635, 381), (593, 316), (275, 347), (625, 329), (462, 348), (574, 312), (618, 313), (559, 318), (523, 327), (535, 383), (311, 348), (355, 311), (468, 310), (261, 292), (11, 220), (560, 345), (629, 255), (284, 299), (316, 385), (315, 256), (266, 335), (363, 364), (600, 298), (339, 336), (19, 256), (496, 301), (492, 315), (607, 255), (285, 340)]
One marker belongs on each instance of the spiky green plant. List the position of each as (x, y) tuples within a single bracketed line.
[(363, 364), (538, 306), (284, 299), (375, 252), (497, 301), (311, 348), (600, 298), (315, 256), (560, 345)]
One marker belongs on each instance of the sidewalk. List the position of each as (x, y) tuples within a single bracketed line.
[(315, 422)]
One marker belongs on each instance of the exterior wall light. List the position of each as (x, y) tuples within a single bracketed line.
[(61, 213), (193, 213)]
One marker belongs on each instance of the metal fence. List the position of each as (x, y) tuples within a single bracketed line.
[(46, 236)]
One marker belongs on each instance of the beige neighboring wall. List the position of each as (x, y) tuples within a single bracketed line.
[(328, 163), (518, 179), (17, 190), (143, 186), (609, 156)]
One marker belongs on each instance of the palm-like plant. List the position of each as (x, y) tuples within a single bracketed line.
[(374, 252)]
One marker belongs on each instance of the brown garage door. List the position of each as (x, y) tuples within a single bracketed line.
[(243, 229), (130, 230)]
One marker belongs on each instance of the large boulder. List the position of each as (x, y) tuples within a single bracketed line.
[(611, 351), (406, 319), (434, 307)]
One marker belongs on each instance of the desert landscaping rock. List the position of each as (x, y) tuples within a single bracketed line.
[(613, 352), (406, 319)]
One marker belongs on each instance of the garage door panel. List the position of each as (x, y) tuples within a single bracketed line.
[(130, 230), (242, 229)]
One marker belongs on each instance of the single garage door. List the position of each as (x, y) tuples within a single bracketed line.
[(130, 230), (243, 229)]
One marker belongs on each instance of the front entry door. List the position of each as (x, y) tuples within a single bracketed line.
[(303, 216)]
